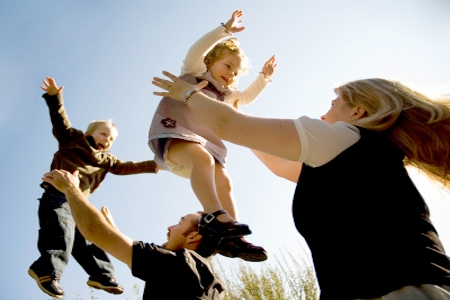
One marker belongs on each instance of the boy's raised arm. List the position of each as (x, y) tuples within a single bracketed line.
[(51, 87), (54, 99)]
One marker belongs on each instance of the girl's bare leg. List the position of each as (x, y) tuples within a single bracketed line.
[(234, 247), (224, 188), (194, 156)]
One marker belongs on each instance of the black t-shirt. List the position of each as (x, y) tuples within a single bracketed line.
[(366, 224), (181, 274)]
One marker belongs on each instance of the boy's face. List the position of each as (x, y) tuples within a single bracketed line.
[(104, 136), (226, 69)]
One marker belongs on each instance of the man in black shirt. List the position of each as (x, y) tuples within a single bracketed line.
[(179, 269)]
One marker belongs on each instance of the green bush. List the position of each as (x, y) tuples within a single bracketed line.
[(288, 279)]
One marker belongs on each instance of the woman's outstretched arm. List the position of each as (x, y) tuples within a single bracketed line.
[(277, 137), (281, 167)]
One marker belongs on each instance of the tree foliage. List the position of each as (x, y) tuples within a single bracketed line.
[(289, 278)]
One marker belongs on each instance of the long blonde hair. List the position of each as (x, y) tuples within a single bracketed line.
[(416, 123)]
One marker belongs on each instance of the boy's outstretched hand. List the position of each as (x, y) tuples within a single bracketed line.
[(50, 87), (232, 25), (269, 67)]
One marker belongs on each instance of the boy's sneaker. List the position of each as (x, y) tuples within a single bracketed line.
[(107, 284), (48, 284)]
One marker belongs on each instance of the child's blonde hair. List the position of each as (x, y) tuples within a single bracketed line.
[(94, 125), (224, 48), (416, 123)]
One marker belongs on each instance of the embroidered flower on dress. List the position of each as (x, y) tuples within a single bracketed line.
[(168, 122)]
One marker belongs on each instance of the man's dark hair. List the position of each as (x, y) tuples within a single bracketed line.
[(208, 244)]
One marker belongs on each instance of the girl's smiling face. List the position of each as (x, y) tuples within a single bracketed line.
[(226, 69)]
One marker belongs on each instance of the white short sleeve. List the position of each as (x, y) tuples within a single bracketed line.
[(321, 142)]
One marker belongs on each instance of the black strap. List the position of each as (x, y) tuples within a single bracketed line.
[(211, 216)]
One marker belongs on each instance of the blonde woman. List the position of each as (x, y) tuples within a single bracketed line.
[(369, 230)]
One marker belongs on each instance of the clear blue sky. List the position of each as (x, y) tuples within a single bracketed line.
[(105, 54)]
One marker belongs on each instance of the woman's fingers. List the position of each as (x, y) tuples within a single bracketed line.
[(170, 75), (175, 88), (164, 83)]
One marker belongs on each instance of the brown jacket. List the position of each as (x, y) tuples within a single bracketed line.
[(75, 152)]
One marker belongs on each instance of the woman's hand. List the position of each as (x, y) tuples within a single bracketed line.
[(176, 88)]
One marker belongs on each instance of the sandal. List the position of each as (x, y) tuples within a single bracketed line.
[(209, 225)]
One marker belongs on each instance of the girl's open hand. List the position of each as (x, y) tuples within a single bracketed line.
[(269, 67), (233, 24)]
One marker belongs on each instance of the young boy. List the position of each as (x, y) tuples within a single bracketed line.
[(58, 236)]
